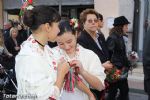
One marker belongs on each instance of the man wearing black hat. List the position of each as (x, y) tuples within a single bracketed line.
[(117, 51)]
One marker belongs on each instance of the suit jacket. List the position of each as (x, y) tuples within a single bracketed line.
[(146, 62), (88, 42)]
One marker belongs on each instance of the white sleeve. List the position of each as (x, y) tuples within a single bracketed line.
[(33, 79), (96, 68)]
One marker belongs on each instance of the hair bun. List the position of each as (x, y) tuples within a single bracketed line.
[(28, 18)]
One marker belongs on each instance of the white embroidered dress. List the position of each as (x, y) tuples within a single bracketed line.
[(36, 72), (91, 63)]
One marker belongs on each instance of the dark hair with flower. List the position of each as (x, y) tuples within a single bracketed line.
[(71, 25)]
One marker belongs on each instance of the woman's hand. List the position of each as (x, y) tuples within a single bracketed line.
[(10, 55), (92, 97), (17, 48), (107, 65), (78, 66), (63, 67)]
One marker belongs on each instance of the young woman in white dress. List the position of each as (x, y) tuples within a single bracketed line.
[(39, 76), (90, 70)]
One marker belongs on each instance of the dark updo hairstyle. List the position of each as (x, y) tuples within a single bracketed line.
[(65, 26), (40, 15)]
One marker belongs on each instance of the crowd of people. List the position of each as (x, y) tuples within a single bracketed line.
[(67, 59)]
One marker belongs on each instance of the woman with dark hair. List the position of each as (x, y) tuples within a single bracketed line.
[(117, 51), (38, 74), (90, 69)]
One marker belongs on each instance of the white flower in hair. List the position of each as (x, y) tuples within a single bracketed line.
[(74, 23), (30, 7)]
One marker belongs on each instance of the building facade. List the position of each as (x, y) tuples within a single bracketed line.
[(137, 12), (67, 8)]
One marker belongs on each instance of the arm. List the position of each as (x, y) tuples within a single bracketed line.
[(85, 89), (62, 70), (95, 72), (96, 83)]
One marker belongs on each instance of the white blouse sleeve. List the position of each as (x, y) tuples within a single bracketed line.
[(95, 67), (34, 79)]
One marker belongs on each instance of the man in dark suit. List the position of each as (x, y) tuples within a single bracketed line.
[(146, 63), (93, 39)]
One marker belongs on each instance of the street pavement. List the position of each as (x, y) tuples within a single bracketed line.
[(136, 84)]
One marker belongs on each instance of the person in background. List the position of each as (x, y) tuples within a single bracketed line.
[(117, 51), (91, 71), (7, 62), (22, 33), (7, 26), (106, 62), (12, 43), (91, 39), (146, 63), (39, 75)]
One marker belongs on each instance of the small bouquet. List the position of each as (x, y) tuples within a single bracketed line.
[(114, 74), (133, 58)]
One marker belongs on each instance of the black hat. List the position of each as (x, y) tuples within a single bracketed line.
[(122, 20)]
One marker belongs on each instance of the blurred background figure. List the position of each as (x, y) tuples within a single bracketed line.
[(12, 43), (90, 38), (118, 56), (3, 51), (146, 63), (7, 26)]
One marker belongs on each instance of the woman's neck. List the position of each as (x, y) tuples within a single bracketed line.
[(71, 55), (40, 38)]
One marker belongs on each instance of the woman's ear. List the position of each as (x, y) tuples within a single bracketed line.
[(47, 27)]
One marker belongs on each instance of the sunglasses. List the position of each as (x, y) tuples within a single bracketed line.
[(91, 21)]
